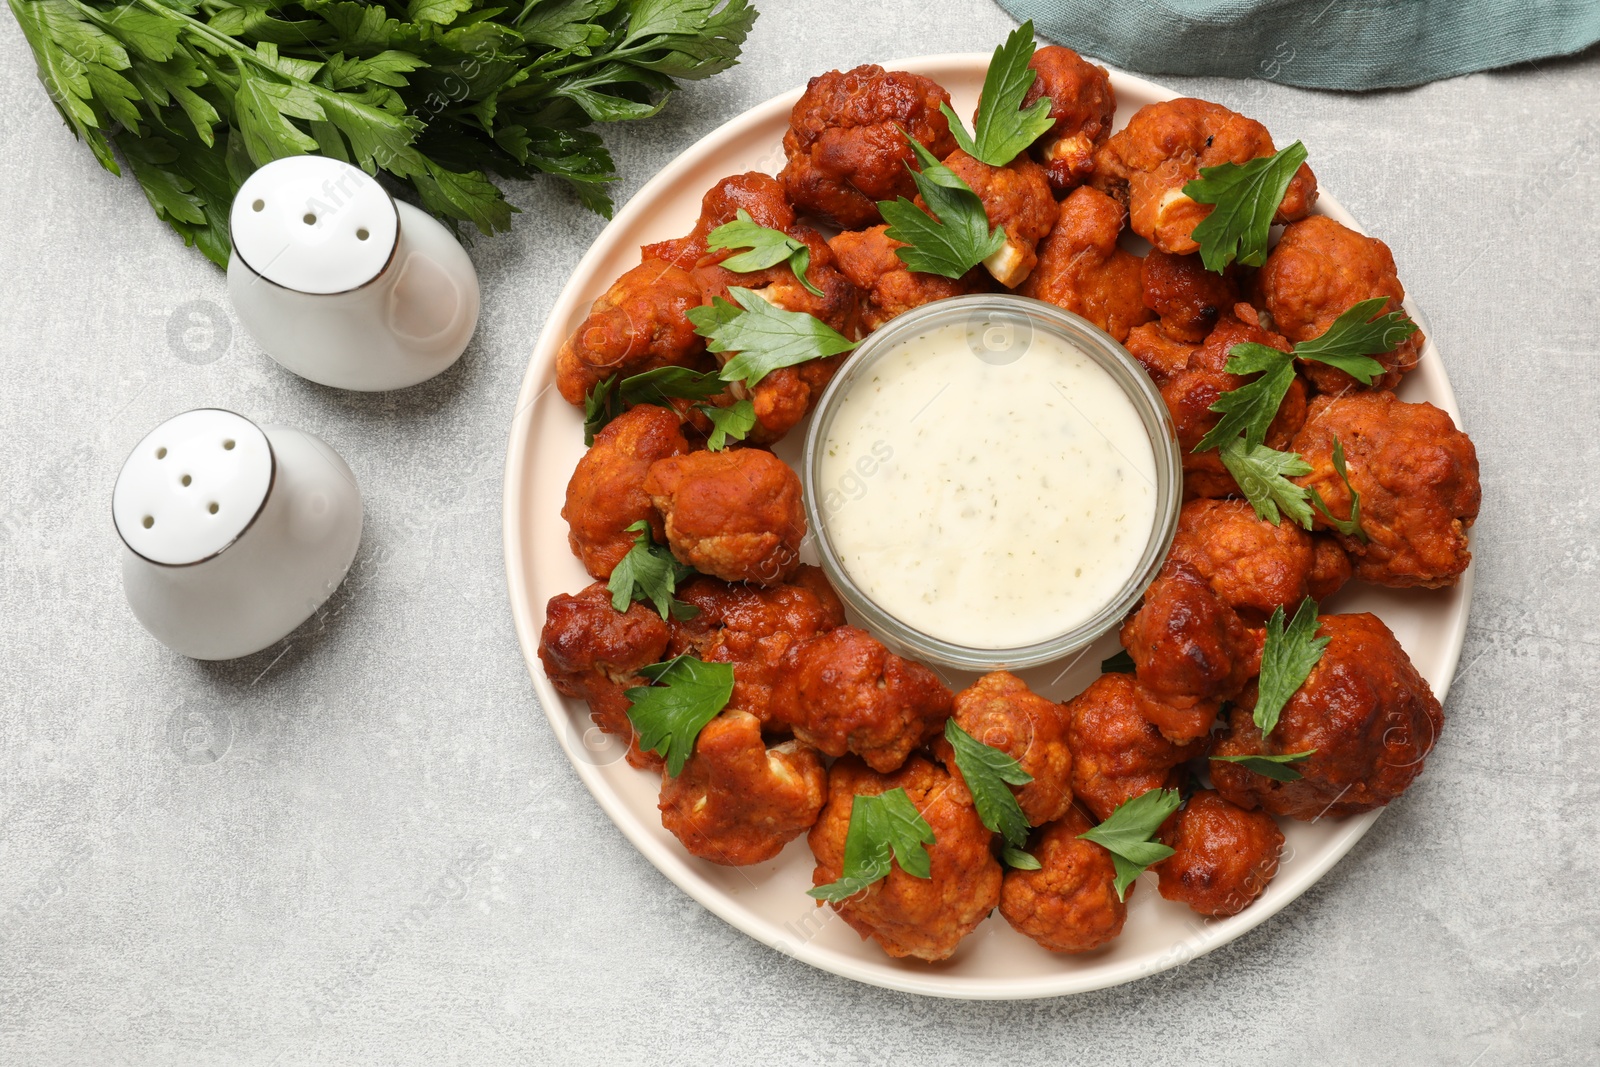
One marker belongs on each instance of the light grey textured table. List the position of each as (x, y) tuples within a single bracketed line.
[(392, 863)]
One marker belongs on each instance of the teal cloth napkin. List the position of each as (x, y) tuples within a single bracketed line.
[(1322, 44)]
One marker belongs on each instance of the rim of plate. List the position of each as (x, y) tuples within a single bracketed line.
[(676, 864)]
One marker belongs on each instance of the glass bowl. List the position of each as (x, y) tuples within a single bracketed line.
[(999, 328)]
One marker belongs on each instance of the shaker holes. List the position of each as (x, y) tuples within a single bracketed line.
[(161, 453), (149, 521), (362, 234), (227, 445), (185, 480), (259, 205), (212, 507), (310, 219)]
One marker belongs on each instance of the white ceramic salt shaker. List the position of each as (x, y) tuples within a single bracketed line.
[(341, 283), (233, 533)]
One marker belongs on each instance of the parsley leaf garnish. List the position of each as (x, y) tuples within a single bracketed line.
[(1251, 408), (660, 386), (1274, 767), (1350, 527), (1355, 336), (735, 420), (956, 237), (1246, 196), (988, 771), (1127, 834), (1286, 661), (766, 247), (649, 572), (766, 337), (1022, 861), (1263, 475), (1121, 663), (1003, 129), (880, 825), (670, 714)]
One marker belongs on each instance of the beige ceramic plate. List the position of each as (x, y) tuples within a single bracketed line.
[(768, 901)]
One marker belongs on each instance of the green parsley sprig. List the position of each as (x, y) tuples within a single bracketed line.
[(730, 423), (989, 774), (1245, 197), (1358, 334), (649, 572), (1275, 767), (880, 826), (765, 247), (1350, 527), (1002, 128), (435, 94), (765, 337), (1263, 475), (1128, 834), (1286, 662), (669, 715), (609, 398), (955, 237)]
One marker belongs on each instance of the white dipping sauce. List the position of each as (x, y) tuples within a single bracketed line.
[(991, 505)]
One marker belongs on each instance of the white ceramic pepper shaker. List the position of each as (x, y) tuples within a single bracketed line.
[(341, 283), (233, 533)]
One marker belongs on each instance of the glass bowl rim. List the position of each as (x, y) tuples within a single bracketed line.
[(1136, 385)]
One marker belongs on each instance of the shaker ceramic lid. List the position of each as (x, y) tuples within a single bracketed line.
[(314, 224), (192, 486)]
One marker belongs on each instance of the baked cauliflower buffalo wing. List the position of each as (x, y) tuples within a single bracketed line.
[(606, 493), (1317, 272), (1082, 270), (1418, 479), (1118, 753), (737, 801), (1365, 711), (594, 652), (760, 195), (1222, 855), (845, 147), (1191, 378), (1186, 298), (752, 627), (733, 514), (867, 257), (1017, 198), (842, 691), (784, 396), (1254, 566), (1000, 711), (1190, 650), (1082, 104), (638, 324), (1163, 148), (909, 916), (1070, 903)]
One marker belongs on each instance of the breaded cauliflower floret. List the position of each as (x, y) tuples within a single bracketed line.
[(638, 324), (1190, 649), (1418, 479), (606, 493), (1117, 751), (1223, 856), (845, 147), (1070, 904), (909, 916), (844, 692), (592, 651), (1364, 709), (1082, 104), (734, 514), (867, 257), (1082, 270), (1000, 711), (1254, 566), (759, 195), (1317, 272), (1164, 147), (1017, 198), (737, 801)]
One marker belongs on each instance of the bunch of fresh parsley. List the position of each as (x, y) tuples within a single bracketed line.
[(430, 95)]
